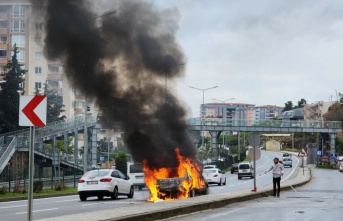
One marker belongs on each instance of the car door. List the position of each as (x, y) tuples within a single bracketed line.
[(117, 180), (124, 183)]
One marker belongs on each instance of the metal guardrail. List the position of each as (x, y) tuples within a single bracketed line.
[(8, 153)]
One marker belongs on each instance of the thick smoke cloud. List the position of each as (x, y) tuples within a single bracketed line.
[(122, 61)]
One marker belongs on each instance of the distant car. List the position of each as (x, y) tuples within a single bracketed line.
[(136, 174), (287, 162), (245, 169), (210, 167), (234, 168), (286, 155), (341, 167), (214, 176), (104, 182)]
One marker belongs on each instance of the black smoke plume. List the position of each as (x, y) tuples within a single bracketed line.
[(122, 60)]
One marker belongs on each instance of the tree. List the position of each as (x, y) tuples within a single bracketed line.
[(11, 87), (301, 103), (288, 106), (121, 162), (54, 104)]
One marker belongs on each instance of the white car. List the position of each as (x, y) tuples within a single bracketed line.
[(104, 182), (341, 167), (214, 176)]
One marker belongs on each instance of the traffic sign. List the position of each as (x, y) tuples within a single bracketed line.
[(32, 110), (257, 153), (333, 156), (319, 152), (254, 140), (101, 158)]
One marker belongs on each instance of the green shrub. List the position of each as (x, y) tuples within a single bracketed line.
[(121, 162), (3, 189), (37, 186)]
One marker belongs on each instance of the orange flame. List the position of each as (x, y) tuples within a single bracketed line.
[(185, 164)]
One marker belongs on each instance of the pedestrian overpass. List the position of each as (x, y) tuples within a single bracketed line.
[(216, 126), (18, 141)]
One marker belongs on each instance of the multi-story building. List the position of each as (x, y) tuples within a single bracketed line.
[(267, 112), (22, 24)]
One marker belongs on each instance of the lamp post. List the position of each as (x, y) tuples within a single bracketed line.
[(223, 113), (202, 110)]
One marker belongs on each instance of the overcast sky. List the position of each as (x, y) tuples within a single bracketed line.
[(264, 52)]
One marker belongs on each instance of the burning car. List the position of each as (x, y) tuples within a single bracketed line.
[(181, 182), (171, 188)]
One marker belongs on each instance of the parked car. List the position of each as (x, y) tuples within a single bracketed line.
[(214, 176), (287, 162), (104, 182), (171, 187), (234, 168), (210, 167), (245, 169)]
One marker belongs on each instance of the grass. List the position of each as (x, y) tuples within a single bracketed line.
[(326, 166), (48, 192)]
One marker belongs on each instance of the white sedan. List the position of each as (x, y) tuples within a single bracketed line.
[(104, 182), (214, 176)]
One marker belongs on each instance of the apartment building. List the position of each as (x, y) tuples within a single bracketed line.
[(22, 24)]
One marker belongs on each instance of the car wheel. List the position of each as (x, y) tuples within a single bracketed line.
[(192, 193), (239, 178), (231, 172), (130, 195), (290, 166), (83, 197), (114, 194), (220, 182), (100, 197), (207, 191), (224, 182), (140, 187)]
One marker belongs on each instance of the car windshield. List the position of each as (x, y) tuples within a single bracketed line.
[(97, 173), (244, 166)]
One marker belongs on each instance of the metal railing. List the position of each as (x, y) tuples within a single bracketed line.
[(7, 154), (266, 123)]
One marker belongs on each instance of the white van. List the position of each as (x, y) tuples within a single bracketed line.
[(245, 169), (136, 174)]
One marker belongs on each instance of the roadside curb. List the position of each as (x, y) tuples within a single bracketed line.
[(35, 197)]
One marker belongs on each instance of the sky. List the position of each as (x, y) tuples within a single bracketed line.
[(264, 52)]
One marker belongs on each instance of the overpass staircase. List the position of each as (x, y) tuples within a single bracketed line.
[(19, 141)]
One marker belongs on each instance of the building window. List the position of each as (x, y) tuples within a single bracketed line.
[(39, 26), (3, 53), (19, 40), (38, 70), (3, 9), (18, 11), (38, 84), (3, 23), (3, 39), (18, 26), (38, 55), (38, 40)]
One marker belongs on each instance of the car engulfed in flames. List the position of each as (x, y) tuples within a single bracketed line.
[(175, 183)]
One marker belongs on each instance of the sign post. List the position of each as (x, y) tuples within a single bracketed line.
[(32, 113), (255, 154)]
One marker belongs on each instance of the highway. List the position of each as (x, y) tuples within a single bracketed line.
[(57, 206)]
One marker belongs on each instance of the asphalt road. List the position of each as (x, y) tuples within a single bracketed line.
[(320, 199), (57, 206)]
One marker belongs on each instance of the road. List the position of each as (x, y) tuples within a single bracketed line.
[(321, 199), (57, 206)]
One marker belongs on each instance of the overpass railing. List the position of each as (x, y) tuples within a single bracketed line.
[(266, 123)]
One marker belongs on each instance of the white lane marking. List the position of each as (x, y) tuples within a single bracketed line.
[(62, 201), (37, 211), (8, 207), (41, 199), (91, 204)]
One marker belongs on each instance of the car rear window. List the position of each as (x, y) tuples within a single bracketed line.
[(97, 173), (244, 166), (210, 171), (136, 168)]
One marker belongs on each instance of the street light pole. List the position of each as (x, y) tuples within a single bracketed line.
[(202, 110)]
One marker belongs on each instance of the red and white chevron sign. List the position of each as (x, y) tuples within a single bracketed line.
[(32, 110)]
